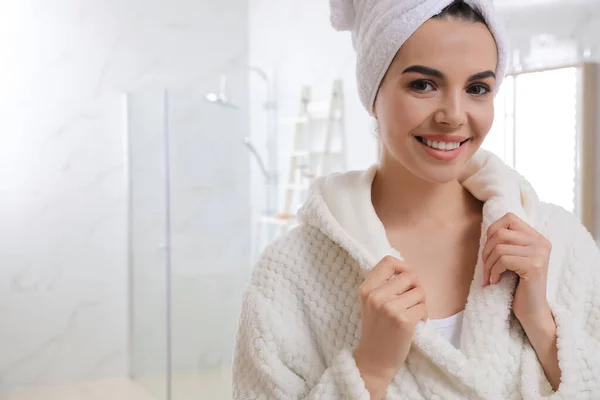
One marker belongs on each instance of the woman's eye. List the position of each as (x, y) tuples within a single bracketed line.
[(422, 86), (478, 90)]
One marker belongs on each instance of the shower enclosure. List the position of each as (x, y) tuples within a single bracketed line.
[(190, 235)]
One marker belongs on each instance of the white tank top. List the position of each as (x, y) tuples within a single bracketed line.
[(449, 328)]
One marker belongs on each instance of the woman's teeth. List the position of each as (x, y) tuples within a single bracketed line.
[(445, 146)]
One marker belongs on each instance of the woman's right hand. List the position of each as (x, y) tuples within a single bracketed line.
[(391, 304)]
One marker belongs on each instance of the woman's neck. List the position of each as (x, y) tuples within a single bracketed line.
[(401, 199)]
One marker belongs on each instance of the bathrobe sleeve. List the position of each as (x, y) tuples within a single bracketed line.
[(275, 356), (576, 308)]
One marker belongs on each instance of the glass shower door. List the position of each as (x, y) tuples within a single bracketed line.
[(148, 258), (190, 219)]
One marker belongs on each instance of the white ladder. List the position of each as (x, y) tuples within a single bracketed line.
[(318, 146), (318, 149), (299, 173)]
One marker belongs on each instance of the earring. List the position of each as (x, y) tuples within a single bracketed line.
[(376, 129)]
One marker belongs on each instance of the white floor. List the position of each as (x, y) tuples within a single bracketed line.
[(101, 390), (214, 385)]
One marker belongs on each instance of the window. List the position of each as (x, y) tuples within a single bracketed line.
[(535, 131)]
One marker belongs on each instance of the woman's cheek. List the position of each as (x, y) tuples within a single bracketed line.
[(483, 119)]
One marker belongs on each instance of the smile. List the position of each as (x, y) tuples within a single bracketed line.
[(438, 145), (442, 150)]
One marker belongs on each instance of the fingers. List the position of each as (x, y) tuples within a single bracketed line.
[(505, 236), (381, 273), (517, 264), (393, 288), (511, 244), (512, 222), (410, 298), (500, 260), (407, 309), (418, 312)]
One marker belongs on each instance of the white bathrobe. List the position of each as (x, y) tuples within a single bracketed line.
[(300, 319)]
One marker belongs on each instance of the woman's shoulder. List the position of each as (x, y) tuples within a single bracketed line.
[(293, 247)]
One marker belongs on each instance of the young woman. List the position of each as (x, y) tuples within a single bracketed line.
[(437, 273)]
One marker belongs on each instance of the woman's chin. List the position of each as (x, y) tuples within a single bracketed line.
[(440, 173), (433, 176)]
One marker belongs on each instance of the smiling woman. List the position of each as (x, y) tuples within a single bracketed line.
[(430, 274)]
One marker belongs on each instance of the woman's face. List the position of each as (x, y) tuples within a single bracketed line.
[(435, 104)]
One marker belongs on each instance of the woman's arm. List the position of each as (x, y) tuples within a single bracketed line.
[(543, 339)]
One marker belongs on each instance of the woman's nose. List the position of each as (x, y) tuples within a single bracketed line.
[(451, 112)]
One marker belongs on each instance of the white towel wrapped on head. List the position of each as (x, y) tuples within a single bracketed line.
[(380, 27)]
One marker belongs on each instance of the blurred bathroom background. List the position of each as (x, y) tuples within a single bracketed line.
[(149, 150)]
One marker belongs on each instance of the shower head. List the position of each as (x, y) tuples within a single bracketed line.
[(221, 99)]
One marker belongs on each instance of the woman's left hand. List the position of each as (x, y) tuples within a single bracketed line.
[(513, 245)]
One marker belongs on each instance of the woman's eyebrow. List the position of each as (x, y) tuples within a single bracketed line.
[(420, 69), (482, 75)]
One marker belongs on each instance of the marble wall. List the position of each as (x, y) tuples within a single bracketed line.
[(63, 231)]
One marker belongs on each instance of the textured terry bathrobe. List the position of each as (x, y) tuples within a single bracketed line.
[(300, 320)]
